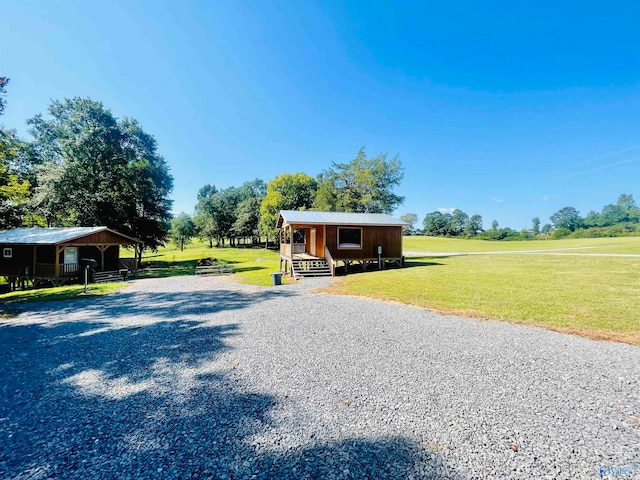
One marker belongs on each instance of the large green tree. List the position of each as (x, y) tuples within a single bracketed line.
[(436, 223), (458, 222), (182, 230), (229, 213), (14, 190), (289, 191), (473, 225), (96, 170), (362, 185), (567, 217), (410, 219), (535, 222)]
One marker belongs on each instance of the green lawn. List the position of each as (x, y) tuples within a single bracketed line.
[(597, 297), (54, 293), (583, 245), (250, 265)]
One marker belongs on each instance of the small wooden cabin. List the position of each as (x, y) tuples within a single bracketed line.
[(54, 254), (315, 243)]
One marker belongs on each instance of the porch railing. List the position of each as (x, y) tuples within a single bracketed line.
[(67, 269), (129, 263), (330, 261), (285, 249), (49, 269)]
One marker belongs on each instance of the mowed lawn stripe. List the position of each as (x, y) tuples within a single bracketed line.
[(570, 245), (597, 297)]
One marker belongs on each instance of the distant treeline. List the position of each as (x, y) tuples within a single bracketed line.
[(614, 220)]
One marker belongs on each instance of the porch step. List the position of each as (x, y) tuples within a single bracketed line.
[(104, 277), (311, 268)]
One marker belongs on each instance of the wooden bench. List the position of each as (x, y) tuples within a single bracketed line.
[(213, 269)]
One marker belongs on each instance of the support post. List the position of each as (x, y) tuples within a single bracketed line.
[(56, 272)]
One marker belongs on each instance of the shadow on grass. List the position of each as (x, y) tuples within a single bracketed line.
[(248, 269), (421, 262), (159, 398), (408, 263)]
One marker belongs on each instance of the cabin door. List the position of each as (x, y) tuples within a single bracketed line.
[(312, 247)]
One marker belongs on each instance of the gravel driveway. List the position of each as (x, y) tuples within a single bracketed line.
[(194, 377)]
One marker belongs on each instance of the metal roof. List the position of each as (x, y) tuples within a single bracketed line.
[(337, 218), (46, 236)]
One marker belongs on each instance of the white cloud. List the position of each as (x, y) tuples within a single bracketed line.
[(545, 198), (497, 200), (446, 210)]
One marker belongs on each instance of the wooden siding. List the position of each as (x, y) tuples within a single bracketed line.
[(319, 240), (101, 238), (389, 237), (21, 258)]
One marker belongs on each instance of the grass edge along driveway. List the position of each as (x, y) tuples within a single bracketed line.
[(593, 297)]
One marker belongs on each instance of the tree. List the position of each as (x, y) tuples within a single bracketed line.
[(592, 219), (285, 192), (457, 223), (546, 229), (182, 230), (626, 202), (613, 215), (203, 221), (436, 224), (494, 225), (149, 186), (567, 217), (362, 185), (411, 219), (535, 221), (229, 213), (95, 170), (14, 191), (247, 218), (3, 83), (473, 226)]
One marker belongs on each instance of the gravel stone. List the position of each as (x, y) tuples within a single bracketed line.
[(202, 377)]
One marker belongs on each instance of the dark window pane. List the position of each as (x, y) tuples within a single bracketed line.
[(349, 238)]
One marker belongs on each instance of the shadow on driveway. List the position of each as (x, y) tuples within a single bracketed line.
[(94, 398)]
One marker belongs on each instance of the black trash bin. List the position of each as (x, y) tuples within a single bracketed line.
[(276, 278)]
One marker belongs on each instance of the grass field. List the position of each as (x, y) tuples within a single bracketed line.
[(250, 265), (573, 245), (598, 297), (67, 292)]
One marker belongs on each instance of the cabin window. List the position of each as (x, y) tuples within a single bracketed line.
[(70, 255), (7, 252), (350, 238)]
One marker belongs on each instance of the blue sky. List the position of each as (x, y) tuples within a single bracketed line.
[(507, 109)]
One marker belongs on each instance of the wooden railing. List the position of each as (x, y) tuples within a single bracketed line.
[(49, 270), (68, 269), (285, 249), (129, 264), (330, 261)]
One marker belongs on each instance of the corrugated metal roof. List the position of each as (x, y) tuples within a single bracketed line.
[(337, 218), (46, 236)]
